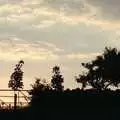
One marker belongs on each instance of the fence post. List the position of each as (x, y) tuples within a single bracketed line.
[(15, 101)]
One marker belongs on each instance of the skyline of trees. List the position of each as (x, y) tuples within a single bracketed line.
[(103, 72), (51, 97)]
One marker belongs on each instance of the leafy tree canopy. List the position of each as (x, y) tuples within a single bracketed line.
[(103, 72), (16, 77)]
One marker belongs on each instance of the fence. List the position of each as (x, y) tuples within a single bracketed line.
[(10, 99)]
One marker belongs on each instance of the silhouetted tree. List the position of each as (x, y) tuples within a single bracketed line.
[(57, 79), (103, 72), (40, 85), (82, 79), (16, 77)]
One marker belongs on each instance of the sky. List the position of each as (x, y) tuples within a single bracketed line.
[(45, 33)]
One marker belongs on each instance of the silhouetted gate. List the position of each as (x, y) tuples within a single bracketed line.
[(8, 98)]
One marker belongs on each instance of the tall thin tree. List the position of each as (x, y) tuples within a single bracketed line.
[(16, 77), (57, 79)]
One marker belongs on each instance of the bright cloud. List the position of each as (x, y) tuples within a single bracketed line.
[(82, 56), (16, 49)]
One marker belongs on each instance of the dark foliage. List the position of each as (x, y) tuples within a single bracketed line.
[(57, 79), (16, 77), (88, 104), (38, 87), (103, 72)]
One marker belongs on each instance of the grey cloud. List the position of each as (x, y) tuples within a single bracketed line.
[(71, 38), (69, 7), (108, 9), (105, 9), (77, 38)]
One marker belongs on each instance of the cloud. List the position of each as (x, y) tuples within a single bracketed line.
[(39, 14), (104, 9), (108, 9), (44, 13), (82, 56), (15, 49), (71, 38)]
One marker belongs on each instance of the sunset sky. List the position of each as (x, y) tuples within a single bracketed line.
[(45, 33)]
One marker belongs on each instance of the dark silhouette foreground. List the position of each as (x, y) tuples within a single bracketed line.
[(75, 104), (52, 102)]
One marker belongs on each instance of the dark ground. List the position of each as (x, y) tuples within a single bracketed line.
[(72, 105)]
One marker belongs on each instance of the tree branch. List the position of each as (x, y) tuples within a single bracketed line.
[(108, 85)]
